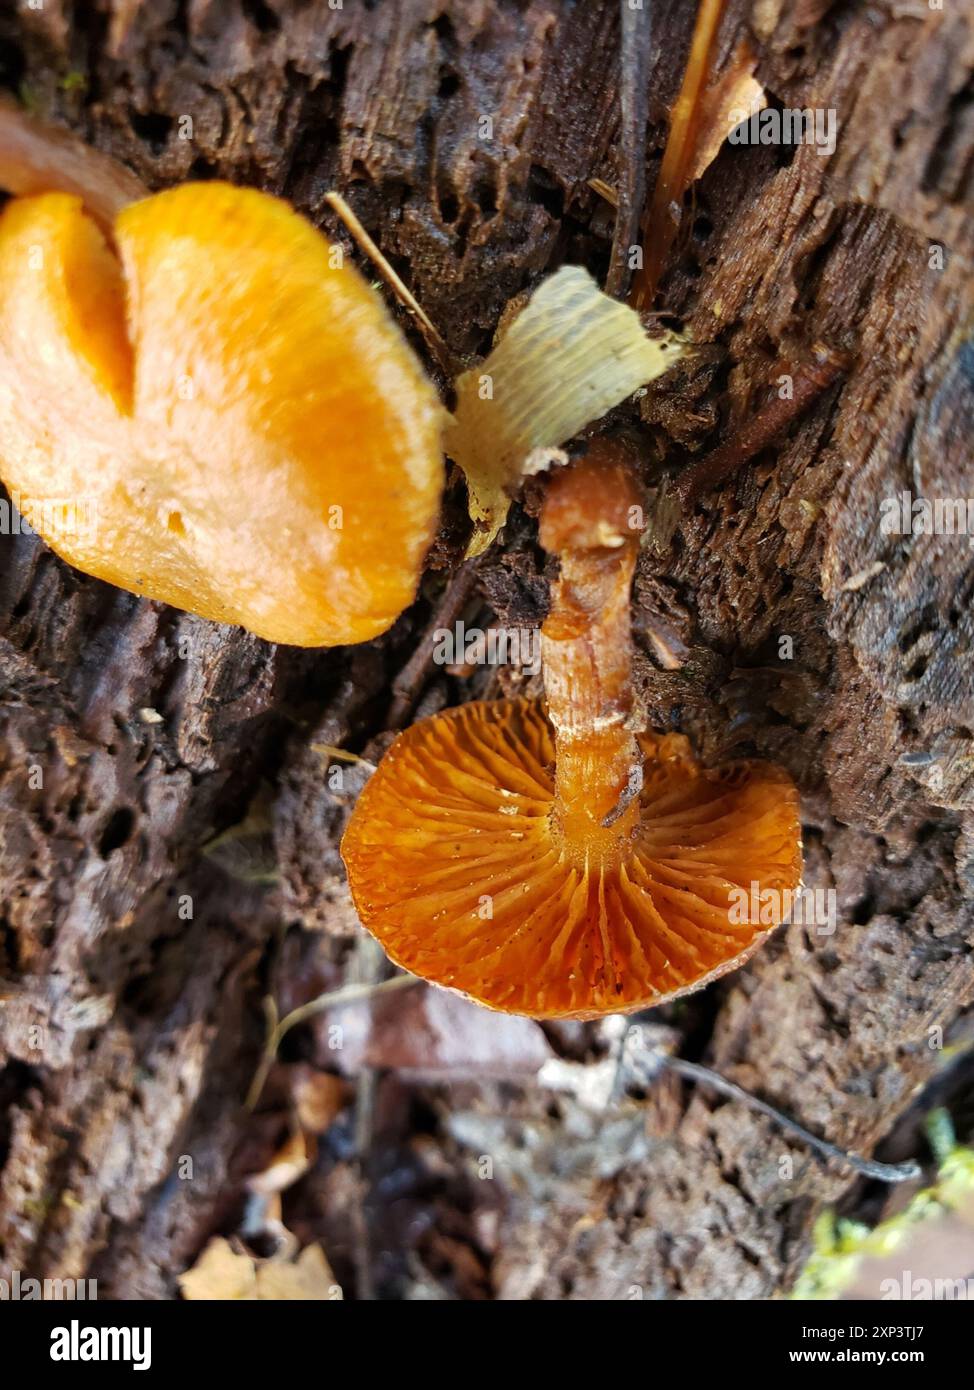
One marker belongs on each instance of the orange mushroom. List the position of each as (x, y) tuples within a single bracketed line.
[(211, 409), (554, 860)]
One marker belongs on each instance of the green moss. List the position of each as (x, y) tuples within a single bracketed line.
[(838, 1245)]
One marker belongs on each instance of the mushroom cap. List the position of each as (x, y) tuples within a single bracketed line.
[(238, 423), (456, 865)]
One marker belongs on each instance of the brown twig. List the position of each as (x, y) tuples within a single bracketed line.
[(663, 219), (634, 103), (408, 684), (364, 1129), (825, 367), (434, 340), (37, 157), (369, 964)]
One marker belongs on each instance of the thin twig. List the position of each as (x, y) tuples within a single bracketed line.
[(328, 750), (369, 964), (404, 294), (816, 376), (409, 682), (663, 219), (636, 29), (278, 1029), (604, 190), (38, 157), (364, 1127), (868, 1167)]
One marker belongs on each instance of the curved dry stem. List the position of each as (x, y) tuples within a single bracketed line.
[(867, 1167), (277, 1029), (37, 157)]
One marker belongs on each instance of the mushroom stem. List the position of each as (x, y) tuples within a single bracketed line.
[(36, 157), (591, 520)]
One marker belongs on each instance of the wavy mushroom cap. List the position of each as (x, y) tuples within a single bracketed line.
[(215, 412), (456, 863)]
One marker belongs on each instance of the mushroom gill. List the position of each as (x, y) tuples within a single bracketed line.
[(547, 857)]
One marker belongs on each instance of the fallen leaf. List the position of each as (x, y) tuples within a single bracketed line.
[(568, 358), (220, 1274), (734, 97), (223, 1274), (437, 1035), (309, 1278)]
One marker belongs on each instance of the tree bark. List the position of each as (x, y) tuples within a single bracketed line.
[(129, 1030)]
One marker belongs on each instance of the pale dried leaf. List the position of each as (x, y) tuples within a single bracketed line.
[(436, 1035), (309, 1278), (569, 357), (223, 1274), (736, 96), (220, 1274)]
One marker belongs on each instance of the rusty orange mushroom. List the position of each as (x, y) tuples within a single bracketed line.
[(549, 858), (209, 408)]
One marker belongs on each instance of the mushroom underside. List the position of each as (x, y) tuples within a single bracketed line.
[(456, 865)]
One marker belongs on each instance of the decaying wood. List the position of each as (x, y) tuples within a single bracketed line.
[(131, 1030)]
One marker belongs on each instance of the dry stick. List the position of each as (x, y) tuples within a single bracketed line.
[(434, 340), (868, 1167), (328, 750), (369, 962), (605, 191), (36, 157), (409, 682), (277, 1029), (364, 1128), (660, 225), (825, 367), (634, 103)]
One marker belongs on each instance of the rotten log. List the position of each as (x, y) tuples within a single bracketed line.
[(130, 1030)]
